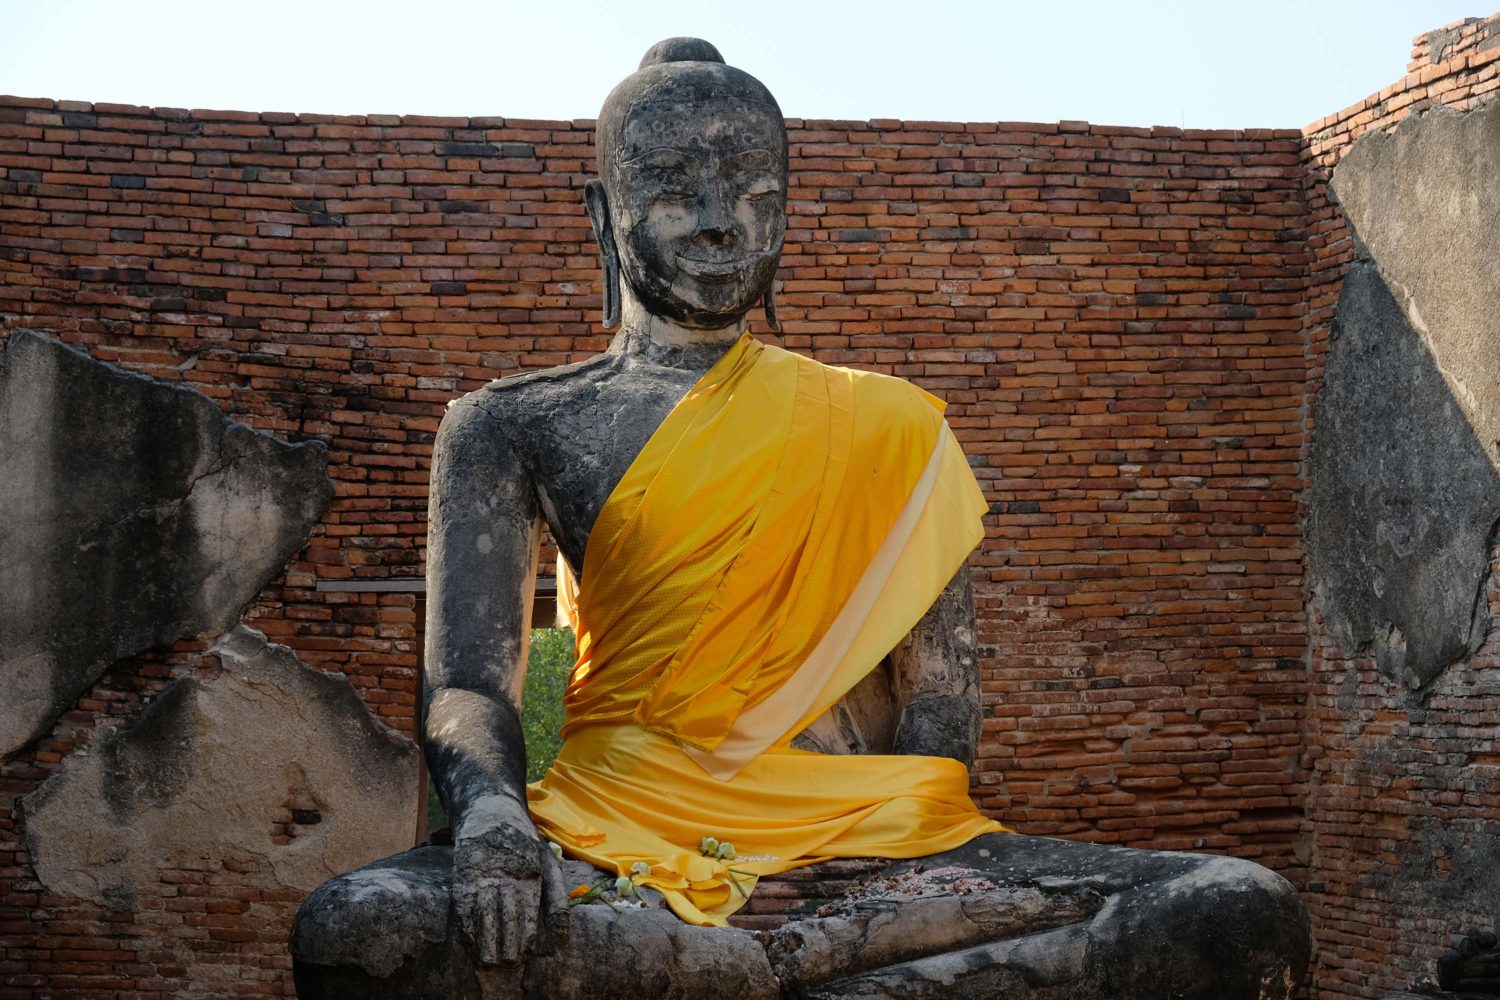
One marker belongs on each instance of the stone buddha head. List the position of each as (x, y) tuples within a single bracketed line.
[(690, 204)]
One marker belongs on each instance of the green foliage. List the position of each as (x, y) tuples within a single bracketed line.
[(547, 668), (547, 671), (436, 818)]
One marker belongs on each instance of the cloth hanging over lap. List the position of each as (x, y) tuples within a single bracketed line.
[(786, 525)]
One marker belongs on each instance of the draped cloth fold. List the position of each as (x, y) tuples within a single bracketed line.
[(781, 531)]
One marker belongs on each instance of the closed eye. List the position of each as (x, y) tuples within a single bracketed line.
[(759, 186)]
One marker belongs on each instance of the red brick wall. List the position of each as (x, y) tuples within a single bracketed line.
[(1379, 774), (1118, 317), (1114, 315)]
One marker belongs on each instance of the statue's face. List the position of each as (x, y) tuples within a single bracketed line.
[(698, 200)]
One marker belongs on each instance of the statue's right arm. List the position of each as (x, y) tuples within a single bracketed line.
[(484, 524)]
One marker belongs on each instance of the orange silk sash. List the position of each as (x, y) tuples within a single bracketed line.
[(783, 529)]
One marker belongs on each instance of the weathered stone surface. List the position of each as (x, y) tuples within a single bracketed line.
[(1042, 967), (384, 930), (219, 764), (136, 514), (1472, 965), (1403, 498), (650, 953), (1405, 495), (372, 929), (1188, 926), (894, 928), (1469, 879), (1221, 929)]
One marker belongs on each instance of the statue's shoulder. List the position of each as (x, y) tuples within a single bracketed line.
[(512, 398), (563, 377)]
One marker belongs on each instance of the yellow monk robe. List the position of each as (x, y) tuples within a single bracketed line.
[(783, 530)]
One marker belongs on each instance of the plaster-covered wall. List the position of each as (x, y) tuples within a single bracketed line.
[(137, 514)]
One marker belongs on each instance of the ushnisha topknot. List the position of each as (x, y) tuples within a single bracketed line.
[(675, 72), (681, 49)]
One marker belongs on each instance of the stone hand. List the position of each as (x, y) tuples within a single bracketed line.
[(508, 891)]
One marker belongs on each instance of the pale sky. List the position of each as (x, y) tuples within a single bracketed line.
[(1205, 64)]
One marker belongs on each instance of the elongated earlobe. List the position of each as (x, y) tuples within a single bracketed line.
[(611, 318), (768, 303), (597, 203)]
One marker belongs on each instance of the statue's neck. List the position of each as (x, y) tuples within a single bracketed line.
[(645, 338)]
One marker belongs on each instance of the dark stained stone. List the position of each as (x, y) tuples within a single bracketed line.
[(137, 514), (1405, 495)]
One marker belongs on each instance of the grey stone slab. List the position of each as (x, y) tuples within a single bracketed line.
[(135, 514)]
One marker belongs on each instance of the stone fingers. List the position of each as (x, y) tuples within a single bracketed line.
[(556, 914), (518, 902), (487, 926), (492, 916)]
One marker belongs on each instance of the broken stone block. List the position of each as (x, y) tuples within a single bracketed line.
[(262, 758), (136, 514), (1405, 496)]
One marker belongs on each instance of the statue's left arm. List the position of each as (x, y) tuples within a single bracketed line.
[(935, 675)]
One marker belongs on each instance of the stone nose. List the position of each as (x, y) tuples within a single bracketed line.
[(716, 227)]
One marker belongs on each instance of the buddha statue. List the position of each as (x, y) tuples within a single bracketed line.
[(776, 660)]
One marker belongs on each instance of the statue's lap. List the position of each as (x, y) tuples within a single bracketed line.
[(1009, 915)]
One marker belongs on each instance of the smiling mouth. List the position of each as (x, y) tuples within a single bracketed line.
[(719, 270)]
